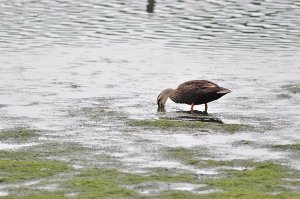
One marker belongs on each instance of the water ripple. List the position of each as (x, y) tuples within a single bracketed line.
[(197, 24)]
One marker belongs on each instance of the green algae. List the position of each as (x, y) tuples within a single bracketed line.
[(126, 178), (40, 195), (101, 188), (252, 180), (295, 147), (292, 88), (265, 180), (265, 176), (171, 124), (111, 183), (166, 123), (256, 180), (55, 149), (96, 113), (250, 194), (19, 167), (18, 134), (243, 143), (102, 184), (171, 176), (22, 170), (188, 156), (194, 156), (231, 127), (283, 96), (107, 183), (45, 150), (16, 155), (179, 195)]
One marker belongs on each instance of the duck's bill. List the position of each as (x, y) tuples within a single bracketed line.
[(224, 91)]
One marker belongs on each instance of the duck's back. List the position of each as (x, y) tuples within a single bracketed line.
[(197, 92)]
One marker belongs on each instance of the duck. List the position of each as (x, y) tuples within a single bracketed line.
[(193, 92)]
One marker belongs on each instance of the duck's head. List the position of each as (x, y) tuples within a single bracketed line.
[(163, 97)]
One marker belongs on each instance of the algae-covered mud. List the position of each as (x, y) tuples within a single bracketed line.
[(78, 88)]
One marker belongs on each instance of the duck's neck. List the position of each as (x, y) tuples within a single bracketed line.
[(164, 95)]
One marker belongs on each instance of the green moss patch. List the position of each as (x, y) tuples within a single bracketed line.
[(265, 180), (243, 143), (283, 96), (265, 176), (16, 155), (102, 184), (111, 183), (292, 88), (126, 178), (75, 153), (194, 156), (57, 149), (251, 180), (287, 147), (166, 124), (97, 113), (21, 170), (18, 135), (180, 195), (45, 150), (40, 195), (188, 156), (256, 180), (20, 166)]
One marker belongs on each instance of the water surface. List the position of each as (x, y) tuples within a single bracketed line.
[(80, 70)]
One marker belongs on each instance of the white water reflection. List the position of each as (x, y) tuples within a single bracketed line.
[(10, 146)]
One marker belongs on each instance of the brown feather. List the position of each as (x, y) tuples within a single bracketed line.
[(193, 92), (198, 92)]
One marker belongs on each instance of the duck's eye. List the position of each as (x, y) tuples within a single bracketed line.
[(203, 87)]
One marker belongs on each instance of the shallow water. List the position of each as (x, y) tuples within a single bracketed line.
[(79, 70)]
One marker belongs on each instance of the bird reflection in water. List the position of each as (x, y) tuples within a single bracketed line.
[(150, 6)]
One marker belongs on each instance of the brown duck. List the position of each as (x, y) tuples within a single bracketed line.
[(192, 92)]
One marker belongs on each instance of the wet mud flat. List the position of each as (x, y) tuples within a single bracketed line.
[(109, 154)]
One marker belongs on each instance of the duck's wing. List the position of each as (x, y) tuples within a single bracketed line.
[(198, 86)]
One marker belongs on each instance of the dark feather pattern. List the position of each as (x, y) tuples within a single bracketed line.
[(192, 92), (198, 92)]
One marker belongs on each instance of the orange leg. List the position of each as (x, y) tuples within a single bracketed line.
[(205, 107)]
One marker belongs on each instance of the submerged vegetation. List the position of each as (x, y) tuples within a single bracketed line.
[(18, 135), (292, 88), (167, 124), (287, 147), (242, 178), (22, 170), (259, 180), (111, 183), (39, 172)]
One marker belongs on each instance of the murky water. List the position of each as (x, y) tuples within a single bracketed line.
[(77, 69)]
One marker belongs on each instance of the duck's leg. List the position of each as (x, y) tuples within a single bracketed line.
[(205, 107), (192, 108)]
